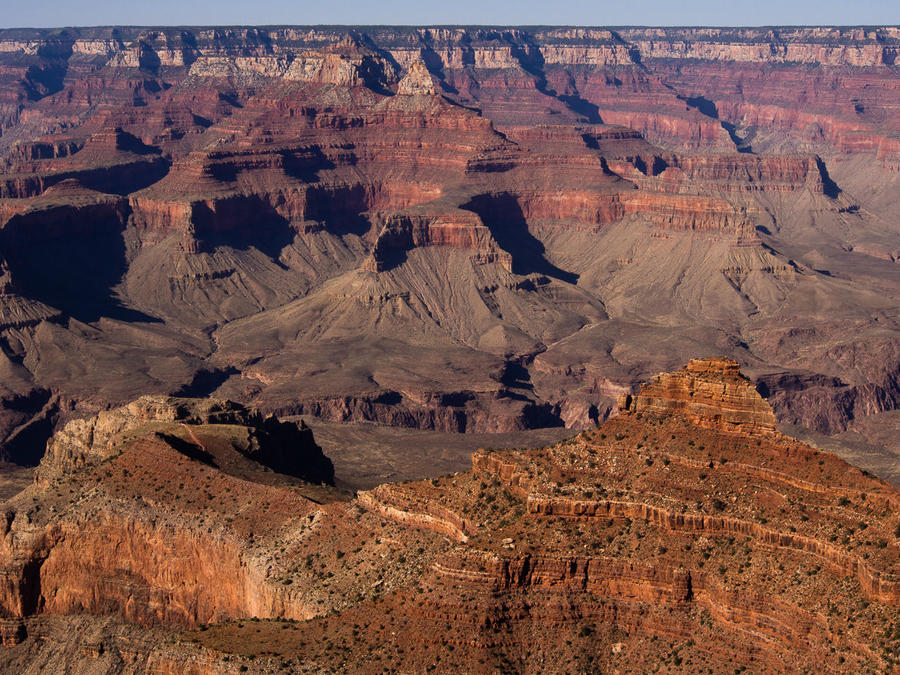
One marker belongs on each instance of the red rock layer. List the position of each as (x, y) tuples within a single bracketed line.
[(234, 172), (710, 393), (540, 553), (673, 528)]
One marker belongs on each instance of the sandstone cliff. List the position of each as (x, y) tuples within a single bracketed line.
[(708, 392)]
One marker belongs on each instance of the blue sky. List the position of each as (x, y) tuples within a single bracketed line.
[(43, 13)]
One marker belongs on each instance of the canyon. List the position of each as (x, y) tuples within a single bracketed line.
[(370, 344), (474, 230)]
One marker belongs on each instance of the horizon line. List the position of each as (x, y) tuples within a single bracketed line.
[(457, 25)]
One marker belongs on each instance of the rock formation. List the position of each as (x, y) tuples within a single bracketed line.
[(282, 446), (710, 393), (417, 81), (684, 533)]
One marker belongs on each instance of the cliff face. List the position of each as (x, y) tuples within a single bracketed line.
[(599, 72), (167, 513), (283, 215), (685, 526), (163, 513), (283, 447)]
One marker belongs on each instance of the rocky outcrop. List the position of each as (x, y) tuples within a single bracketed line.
[(393, 502), (513, 571), (686, 524), (710, 393), (101, 550), (284, 447), (417, 81), (459, 229), (348, 63), (163, 575)]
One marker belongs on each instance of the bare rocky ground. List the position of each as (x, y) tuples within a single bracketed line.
[(876, 453), (421, 242), (14, 479)]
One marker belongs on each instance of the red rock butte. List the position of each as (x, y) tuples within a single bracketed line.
[(710, 393)]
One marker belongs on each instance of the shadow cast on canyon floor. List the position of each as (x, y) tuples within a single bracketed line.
[(505, 219), (243, 223), (75, 274)]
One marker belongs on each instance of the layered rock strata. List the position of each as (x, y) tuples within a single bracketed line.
[(266, 213), (685, 532), (708, 392)]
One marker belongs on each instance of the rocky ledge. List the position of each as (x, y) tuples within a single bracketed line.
[(284, 447)]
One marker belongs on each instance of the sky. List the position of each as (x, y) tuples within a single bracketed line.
[(52, 13)]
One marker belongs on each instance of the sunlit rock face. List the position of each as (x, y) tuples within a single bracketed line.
[(710, 393), (686, 524)]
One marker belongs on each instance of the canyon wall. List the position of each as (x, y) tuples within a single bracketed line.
[(685, 525), (283, 216)]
